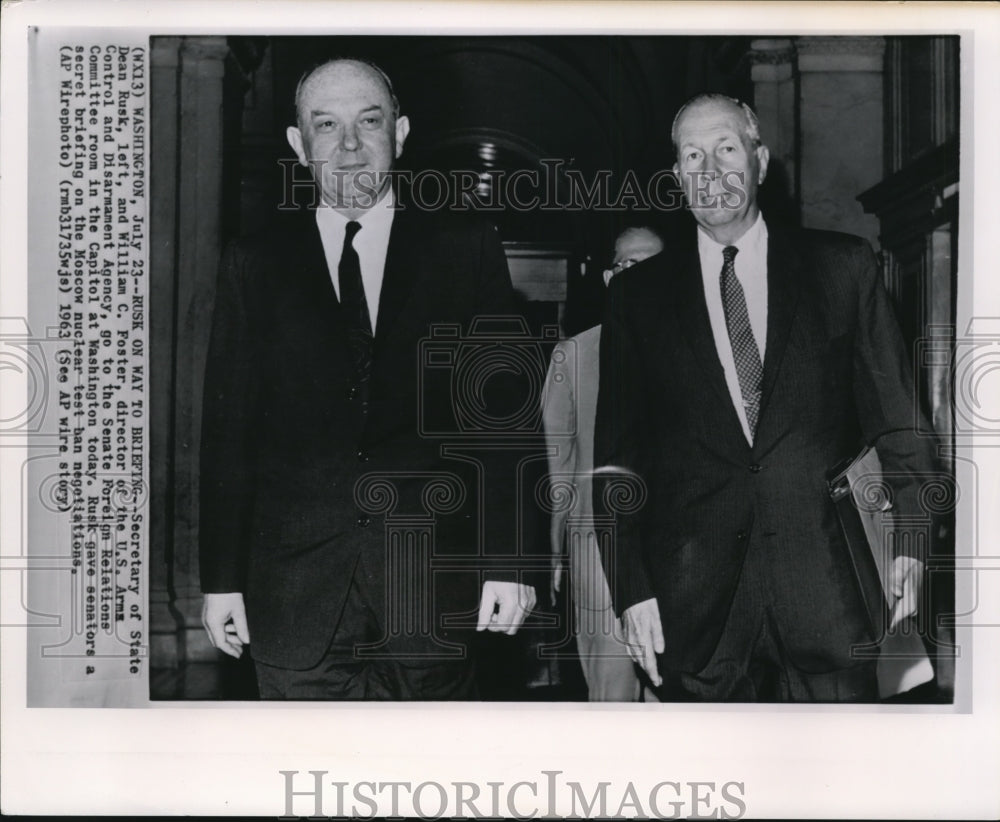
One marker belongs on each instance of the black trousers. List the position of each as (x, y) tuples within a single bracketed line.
[(750, 663), (360, 663)]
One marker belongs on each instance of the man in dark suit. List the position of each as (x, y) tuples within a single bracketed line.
[(312, 443), (736, 368), (569, 403)]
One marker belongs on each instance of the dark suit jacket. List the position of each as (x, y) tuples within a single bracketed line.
[(836, 375), (284, 445)]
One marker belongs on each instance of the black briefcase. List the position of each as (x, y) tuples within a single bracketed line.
[(862, 502), (859, 497)]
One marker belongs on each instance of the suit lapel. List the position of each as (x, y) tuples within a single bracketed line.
[(692, 311), (783, 285), (402, 263), (310, 265)]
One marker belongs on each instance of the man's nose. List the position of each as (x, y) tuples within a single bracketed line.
[(349, 140)]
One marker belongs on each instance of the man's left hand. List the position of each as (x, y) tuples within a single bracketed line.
[(504, 605), (905, 579)]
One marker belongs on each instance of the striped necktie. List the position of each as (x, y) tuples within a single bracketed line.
[(746, 355)]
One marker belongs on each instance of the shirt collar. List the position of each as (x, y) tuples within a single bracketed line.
[(378, 217), (752, 242)]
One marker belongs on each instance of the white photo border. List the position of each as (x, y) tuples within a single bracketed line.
[(794, 761)]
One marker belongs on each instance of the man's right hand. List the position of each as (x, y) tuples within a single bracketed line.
[(225, 619), (644, 635)]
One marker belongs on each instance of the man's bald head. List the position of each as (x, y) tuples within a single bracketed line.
[(349, 133), (751, 126), (319, 73)]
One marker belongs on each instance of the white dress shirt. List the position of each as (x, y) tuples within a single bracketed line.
[(751, 271), (371, 243)]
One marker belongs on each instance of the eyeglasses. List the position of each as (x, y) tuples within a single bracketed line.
[(619, 267)]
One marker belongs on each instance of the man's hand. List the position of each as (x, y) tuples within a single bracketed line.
[(225, 619), (644, 635), (905, 580), (512, 602)]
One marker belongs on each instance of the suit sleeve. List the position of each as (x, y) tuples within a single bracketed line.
[(559, 415), (227, 466), (886, 398), (509, 501), (619, 435)]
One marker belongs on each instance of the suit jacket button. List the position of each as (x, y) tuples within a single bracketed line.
[(352, 392), (362, 455), (755, 468), (363, 521), (741, 535)]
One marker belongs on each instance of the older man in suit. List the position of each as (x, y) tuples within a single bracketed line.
[(736, 368), (312, 434)]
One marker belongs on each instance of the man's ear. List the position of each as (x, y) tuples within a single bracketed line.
[(294, 137), (402, 129), (763, 156)]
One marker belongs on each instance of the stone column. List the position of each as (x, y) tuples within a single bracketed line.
[(841, 130), (776, 96)]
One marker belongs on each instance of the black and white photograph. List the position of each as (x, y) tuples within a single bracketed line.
[(525, 172), (437, 417)]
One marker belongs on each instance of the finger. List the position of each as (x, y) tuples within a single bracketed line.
[(485, 612), (230, 650), (897, 615), (240, 621), (528, 598), (557, 579), (896, 581), (632, 641), (227, 647), (517, 620), (232, 637), (525, 605), (907, 603), (230, 643), (902, 609), (649, 659), (216, 632), (658, 643), (506, 614)]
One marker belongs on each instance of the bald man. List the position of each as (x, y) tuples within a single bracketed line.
[(312, 393), (738, 367)]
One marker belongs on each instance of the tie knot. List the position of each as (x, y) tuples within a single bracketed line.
[(353, 227), (729, 253)]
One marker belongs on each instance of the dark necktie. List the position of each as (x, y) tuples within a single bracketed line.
[(746, 355), (357, 318)]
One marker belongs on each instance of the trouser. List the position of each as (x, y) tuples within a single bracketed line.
[(607, 666), (346, 672), (751, 664)]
